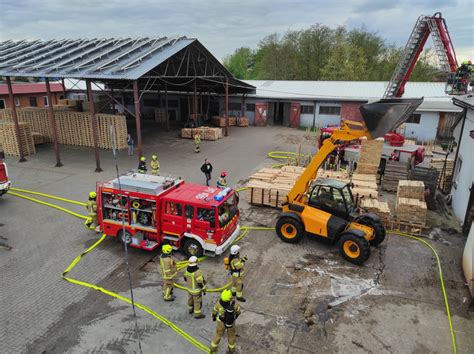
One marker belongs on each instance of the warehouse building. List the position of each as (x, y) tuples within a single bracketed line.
[(302, 104), (31, 95)]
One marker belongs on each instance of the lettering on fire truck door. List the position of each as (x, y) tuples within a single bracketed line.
[(173, 219)]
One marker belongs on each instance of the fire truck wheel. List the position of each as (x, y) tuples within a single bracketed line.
[(124, 238), (192, 248)]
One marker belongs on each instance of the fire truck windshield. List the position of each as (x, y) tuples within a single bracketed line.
[(227, 210)]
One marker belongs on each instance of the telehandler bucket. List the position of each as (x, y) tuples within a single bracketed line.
[(386, 115)]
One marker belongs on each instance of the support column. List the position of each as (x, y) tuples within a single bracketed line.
[(136, 98), (15, 119), (242, 113), (64, 88), (195, 105), (93, 122), (226, 108), (166, 108), (52, 123)]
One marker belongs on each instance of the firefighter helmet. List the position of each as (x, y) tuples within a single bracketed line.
[(226, 295), (235, 249), (143, 158), (223, 173), (154, 157), (193, 260), (166, 249), (92, 195)]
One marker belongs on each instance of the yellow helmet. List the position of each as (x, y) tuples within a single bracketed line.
[(142, 158), (92, 195), (226, 295), (154, 157), (166, 249)]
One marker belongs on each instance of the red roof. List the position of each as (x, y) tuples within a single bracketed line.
[(19, 89)]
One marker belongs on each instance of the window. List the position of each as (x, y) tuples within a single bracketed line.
[(33, 102), (235, 106), (250, 107), (458, 168), (2, 104), (172, 208), (330, 110), (189, 211), (414, 119), (45, 101), (206, 215), (307, 109), (17, 102)]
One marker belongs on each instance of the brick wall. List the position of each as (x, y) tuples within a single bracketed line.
[(350, 111), (25, 99)]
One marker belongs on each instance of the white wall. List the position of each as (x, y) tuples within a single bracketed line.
[(463, 181), (326, 119), (427, 128)]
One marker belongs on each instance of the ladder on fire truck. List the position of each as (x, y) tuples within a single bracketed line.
[(425, 25)]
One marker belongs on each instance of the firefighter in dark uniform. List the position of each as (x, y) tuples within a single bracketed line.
[(225, 312), (142, 165)]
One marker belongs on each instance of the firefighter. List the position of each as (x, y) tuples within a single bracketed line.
[(142, 165), (221, 181), (155, 165), (196, 286), (168, 272), (197, 143), (92, 221), (225, 312), (237, 272)]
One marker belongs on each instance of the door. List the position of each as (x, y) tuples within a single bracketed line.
[(261, 111), (469, 217), (295, 114), (204, 223), (172, 218)]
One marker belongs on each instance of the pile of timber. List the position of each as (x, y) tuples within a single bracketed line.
[(68, 104), (445, 169), (243, 122), (364, 185), (394, 172), (429, 176), (270, 186), (411, 210), (160, 115), (411, 189), (74, 128), (369, 158), (206, 133), (219, 121), (11, 141), (377, 207)]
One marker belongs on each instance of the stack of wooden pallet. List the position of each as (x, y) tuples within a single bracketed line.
[(394, 172), (206, 133), (218, 121), (38, 138), (232, 121), (369, 159), (410, 205), (445, 169), (270, 186), (119, 126), (377, 207), (160, 115), (429, 176), (243, 122), (411, 189), (364, 185), (11, 142)]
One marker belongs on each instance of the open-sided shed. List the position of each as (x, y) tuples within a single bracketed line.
[(162, 64)]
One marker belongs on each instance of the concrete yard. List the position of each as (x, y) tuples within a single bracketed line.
[(301, 298)]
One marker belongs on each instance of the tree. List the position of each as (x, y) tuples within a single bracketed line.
[(241, 63)]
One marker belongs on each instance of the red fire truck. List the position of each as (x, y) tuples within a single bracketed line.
[(194, 218), (4, 182)]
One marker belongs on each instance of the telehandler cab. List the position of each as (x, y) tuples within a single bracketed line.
[(325, 208)]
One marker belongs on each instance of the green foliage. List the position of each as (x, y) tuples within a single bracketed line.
[(323, 53)]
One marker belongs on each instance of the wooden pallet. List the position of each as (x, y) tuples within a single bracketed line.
[(406, 227), (243, 122), (377, 207), (367, 168), (12, 142), (411, 189), (206, 133), (370, 152), (411, 210), (429, 176)]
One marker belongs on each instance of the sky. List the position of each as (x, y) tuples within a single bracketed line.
[(224, 25)]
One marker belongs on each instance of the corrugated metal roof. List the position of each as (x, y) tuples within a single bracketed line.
[(433, 92), (19, 89), (106, 58)]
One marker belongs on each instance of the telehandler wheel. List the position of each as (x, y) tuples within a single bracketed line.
[(354, 248), (289, 230), (124, 237), (379, 230)]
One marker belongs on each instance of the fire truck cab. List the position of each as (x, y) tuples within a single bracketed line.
[(194, 218), (5, 184)]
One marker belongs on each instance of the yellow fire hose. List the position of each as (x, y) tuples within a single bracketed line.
[(183, 264), (48, 196)]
